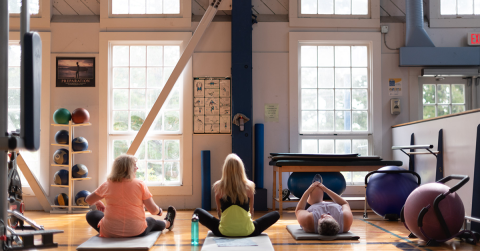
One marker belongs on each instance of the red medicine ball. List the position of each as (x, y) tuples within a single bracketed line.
[(80, 116)]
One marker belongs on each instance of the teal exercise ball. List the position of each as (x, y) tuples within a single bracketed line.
[(298, 183), (62, 116)]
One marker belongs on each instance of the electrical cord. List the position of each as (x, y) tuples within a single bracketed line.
[(385, 41)]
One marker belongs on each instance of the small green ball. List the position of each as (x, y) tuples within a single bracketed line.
[(62, 116)]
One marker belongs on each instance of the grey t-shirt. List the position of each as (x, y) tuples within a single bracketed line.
[(332, 208)]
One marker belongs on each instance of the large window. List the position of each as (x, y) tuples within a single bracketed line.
[(14, 6), (460, 7), (145, 7), (138, 74), (448, 96), (334, 7)]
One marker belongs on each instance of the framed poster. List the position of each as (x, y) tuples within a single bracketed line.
[(75, 72), (211, 105)]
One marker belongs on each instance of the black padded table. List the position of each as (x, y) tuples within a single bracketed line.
[(291, 162)]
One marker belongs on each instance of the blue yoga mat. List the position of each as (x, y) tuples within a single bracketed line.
[(206, 183), (259, 155)]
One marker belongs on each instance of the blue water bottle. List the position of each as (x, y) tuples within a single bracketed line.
[(194, 230)]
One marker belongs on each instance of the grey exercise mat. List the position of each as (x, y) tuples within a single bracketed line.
[(132, 243), (298, 234), (257, 243)]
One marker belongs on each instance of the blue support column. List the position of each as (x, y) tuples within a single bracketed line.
[(242, 101)]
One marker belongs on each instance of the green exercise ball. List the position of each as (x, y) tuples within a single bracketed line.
[(62, 116)]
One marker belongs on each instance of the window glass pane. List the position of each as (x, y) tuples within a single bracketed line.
[(325, 78), (325, 99), (14, 6), (13, 120), (309, 146), (359, 56), (359, 77), (172, 171), (137, 77), (458, 94), (448, 7), (443, 94), (172, 120), (443, 110), (326, 146), (155, 6), (120, 56), (342, 56), (173, 100), (429, 94), (120, 99), (458, 108), (155, 77), (14, 99), (167, 71), (138, 55), (152, 95), (360, 121), (342, 99), (325, 56), (120, 77), (14, 55), (342, 77), (140, 154), (140, 174), (119, 147), (359, 7), (154, 149), (343, 146), (359, 99), (308, 56), (172, 149), (309, 121), (158, 123), (137, 119), (476, 7), (154, 55), (137, 7), (308, 7), (172, 55), (360, 146), (309, 99), (464, 7), (13, 77), (325, 7), (325, 120), (342, 120), (343, 7), (137, 99), (347, 176), (171, 7), (359, 177), (119, 6), (155, 171), (428, 112), (308, 78), (120, 121)]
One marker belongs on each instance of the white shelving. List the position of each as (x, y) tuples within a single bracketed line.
[(71, 181)]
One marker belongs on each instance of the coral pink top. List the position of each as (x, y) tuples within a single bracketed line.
[(124, 213)]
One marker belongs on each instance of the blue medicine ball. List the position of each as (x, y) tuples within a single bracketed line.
[(387, 192), (80, 144), (61, 177), (61, 200), (79, 171), (60, 156), (61, 137), (80, 198), (298, 183)]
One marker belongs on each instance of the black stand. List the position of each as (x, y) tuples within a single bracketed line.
[(260, 199)]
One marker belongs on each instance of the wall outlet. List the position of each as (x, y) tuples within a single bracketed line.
[(384, 29)]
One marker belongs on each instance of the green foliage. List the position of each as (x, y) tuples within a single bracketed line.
[(120, 126), (137, 122)]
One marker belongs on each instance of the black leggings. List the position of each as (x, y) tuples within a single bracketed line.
[(261, 224), (94, 217)]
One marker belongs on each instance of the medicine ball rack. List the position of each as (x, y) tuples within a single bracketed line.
[(70, 208)]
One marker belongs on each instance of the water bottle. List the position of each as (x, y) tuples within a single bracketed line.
[(194, 230)]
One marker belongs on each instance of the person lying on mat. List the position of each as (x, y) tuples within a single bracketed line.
[(325, 218), (126, 196), (234, 199)]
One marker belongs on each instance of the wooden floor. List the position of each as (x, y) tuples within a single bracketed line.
[(375, 234)]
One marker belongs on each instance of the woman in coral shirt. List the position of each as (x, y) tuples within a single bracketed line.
[(126, 197)]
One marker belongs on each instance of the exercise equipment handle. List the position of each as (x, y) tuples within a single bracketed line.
[(394, 171), (463, 180), (422, 214)]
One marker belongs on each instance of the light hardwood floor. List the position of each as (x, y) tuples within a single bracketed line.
[(375, 234)]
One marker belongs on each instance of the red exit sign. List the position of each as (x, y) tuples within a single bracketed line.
[(473, 38)]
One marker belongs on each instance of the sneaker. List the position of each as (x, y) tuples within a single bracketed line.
[(171, 212)]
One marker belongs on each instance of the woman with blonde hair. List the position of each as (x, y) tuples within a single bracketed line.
[(234, 199), (126, 196)]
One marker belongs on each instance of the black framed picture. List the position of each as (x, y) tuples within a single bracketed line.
[(75, 72)]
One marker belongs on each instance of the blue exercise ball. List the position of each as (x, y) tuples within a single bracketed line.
[(80, 198), (61, 200), (80, 144), (61, 137), (298, 183), (387, 192), (60, 157), (61, 177), (79, 171)]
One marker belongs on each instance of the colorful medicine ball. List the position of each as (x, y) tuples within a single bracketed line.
[(60, 157), (61, 137), (61, 116), (79, 171), (79, 144), (80, 198), (61, 200), (80, 116), (61, 177)]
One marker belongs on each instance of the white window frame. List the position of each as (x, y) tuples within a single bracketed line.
[(372, 20), (45, 117), (37, 22), (180, 38), (438, 20), (373, 41), (109, 20)]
